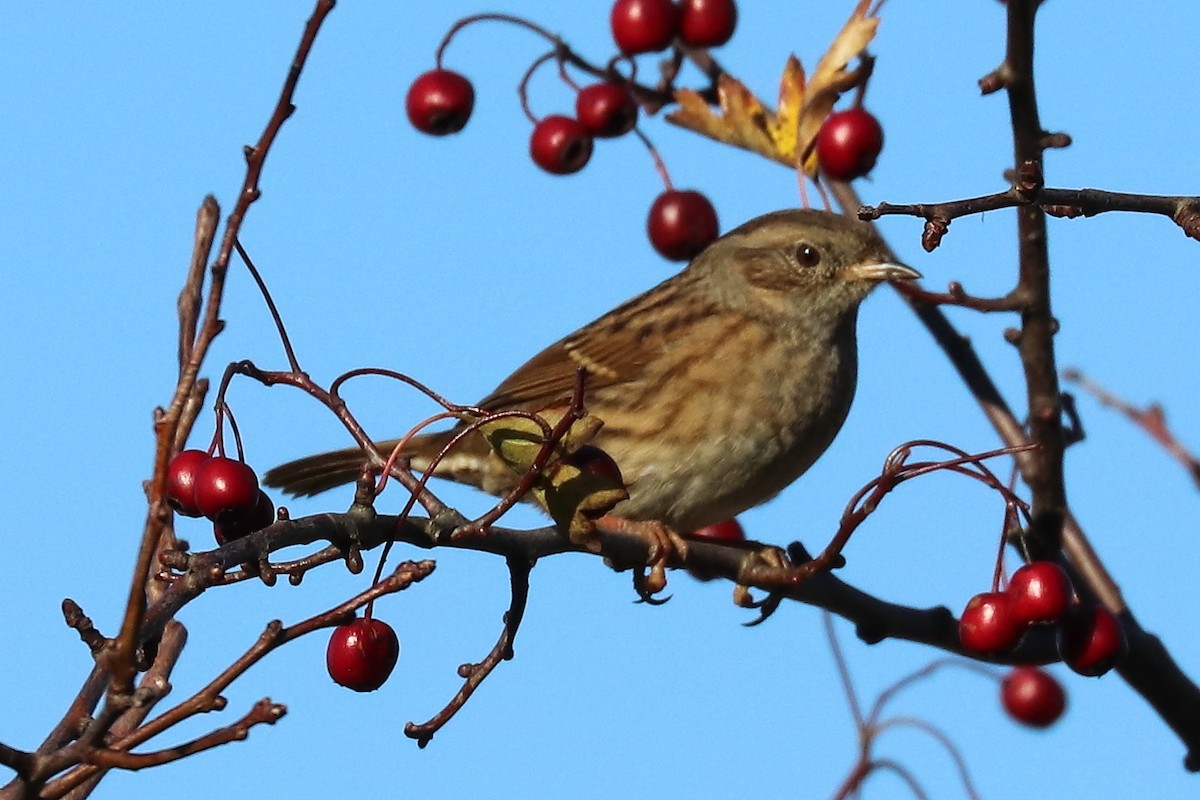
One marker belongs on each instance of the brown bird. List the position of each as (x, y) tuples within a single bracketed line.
[(717, 388)]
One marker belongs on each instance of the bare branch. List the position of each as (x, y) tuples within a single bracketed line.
[(1152, 419)]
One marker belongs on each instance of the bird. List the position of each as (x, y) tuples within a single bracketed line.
[(717, 388)]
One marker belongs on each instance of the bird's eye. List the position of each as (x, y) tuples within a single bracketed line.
[(807, 255)]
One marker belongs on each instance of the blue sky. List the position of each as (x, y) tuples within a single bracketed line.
[(454, 259)]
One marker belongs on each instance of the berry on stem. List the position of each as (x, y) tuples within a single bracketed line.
[(707, 23), (361, 654), (987, 625), (594, 461), (606, 109), (681, 224), (439, 102), (592, 488), (225, 489), (729, 530), (257, 518), (848, 144), (181, 481), (1091, 640), (1033, 696), (1041, 592), (643, 26), (560, 145)]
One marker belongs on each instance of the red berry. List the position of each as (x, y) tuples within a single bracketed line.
[(181, 481), (1041, 592), (606, 109), (560, 145), (729, 530), (707, 23), (643, 26), (681, 224), (1091, 640), (848, 144), (362, 654), (225, 489), (1033, 696), (439, 102), (594, 461), (594, 492), (987, 625), (257, 518)]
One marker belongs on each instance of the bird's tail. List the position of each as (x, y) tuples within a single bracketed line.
[(312, 475), (470, 461)]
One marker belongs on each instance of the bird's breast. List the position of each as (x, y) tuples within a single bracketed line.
[(732, 428)]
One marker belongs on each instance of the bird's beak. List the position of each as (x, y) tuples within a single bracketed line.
[(876, 272)]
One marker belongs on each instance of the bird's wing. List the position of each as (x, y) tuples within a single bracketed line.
[(614, 350)]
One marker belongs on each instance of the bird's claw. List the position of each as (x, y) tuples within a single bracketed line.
[(768, 605), (649, 581), (662, 545)]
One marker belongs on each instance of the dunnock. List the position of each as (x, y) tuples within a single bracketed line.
[(717, 388)]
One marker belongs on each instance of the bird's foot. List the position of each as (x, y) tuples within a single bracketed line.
[(662, 545), (768, 605)]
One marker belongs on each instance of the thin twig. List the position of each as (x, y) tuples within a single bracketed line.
[(475, 674), (1151, 419)]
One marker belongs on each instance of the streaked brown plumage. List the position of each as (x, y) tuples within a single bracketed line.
[(717, 388)]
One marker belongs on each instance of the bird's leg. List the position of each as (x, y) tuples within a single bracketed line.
[(662, 543)]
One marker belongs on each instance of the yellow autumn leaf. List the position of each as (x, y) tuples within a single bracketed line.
[(743, 120), (518, 440), (785, 123), (788, 133), (833, 76), (577, 484), (580, 488)]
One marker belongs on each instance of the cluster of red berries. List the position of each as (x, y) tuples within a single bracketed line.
[(680, 223), (1090, 639), (223, 489), (362, 653), (650, 26), (562, 145)]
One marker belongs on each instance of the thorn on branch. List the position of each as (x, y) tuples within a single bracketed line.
[(1055, 140), (1188, 217), (935, 229), (1073, 426), (75, 618), (146, 654), (354, 559), (1064, 211), (1029, 180), (995, 80), (266, 573)]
